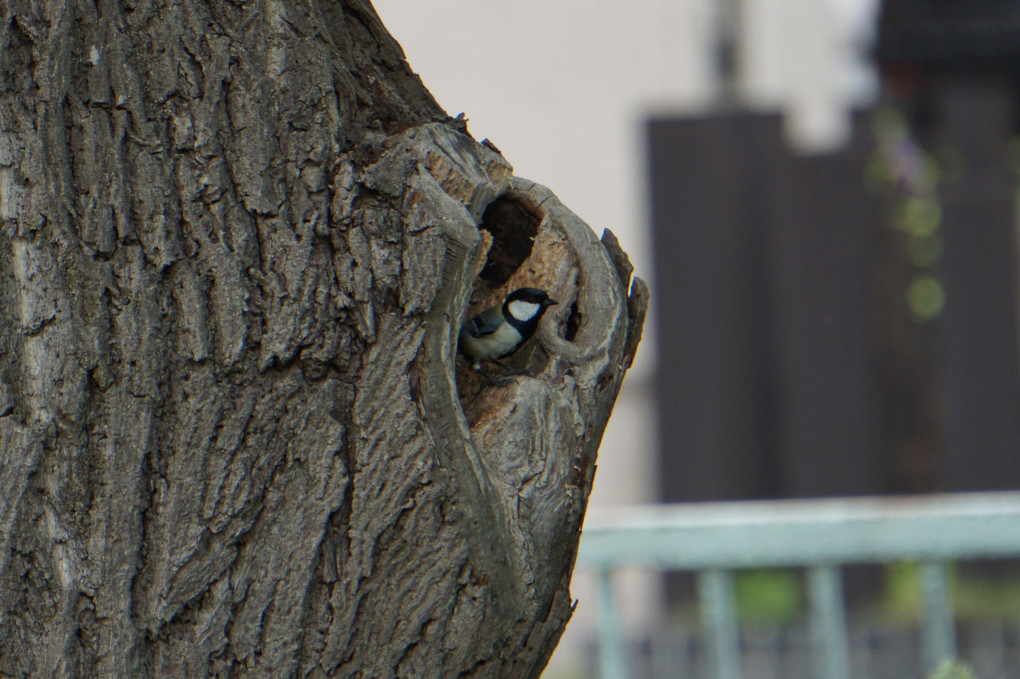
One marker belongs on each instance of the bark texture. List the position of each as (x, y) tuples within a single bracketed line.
[(237, 240)]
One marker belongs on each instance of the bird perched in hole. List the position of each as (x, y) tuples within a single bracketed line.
[(500, 330)]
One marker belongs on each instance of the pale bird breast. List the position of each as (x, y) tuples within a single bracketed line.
[(498, 343)]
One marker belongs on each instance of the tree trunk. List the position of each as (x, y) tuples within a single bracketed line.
[(237, 240)]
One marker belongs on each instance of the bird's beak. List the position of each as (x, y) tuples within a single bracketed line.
[(550, 302)]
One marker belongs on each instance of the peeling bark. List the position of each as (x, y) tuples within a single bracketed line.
[(237, 241)]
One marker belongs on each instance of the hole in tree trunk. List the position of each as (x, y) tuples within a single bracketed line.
[(513, 224)]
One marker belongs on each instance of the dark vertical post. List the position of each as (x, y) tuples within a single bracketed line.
[(707, 204), (762, 282), (974, 121), (820, 259)]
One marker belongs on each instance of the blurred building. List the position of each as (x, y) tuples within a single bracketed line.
[(845, 322)]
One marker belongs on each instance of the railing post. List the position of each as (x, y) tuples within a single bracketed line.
[(719, 612), (830, 653), (612, 654), (939, 638)]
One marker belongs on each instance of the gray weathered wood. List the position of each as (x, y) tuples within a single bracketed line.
[(236, 243)]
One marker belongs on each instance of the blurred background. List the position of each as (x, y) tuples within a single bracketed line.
[(823, 194)]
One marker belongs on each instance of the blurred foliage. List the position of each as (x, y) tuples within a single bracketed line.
[(925, 297), (973, 597), (907, 177), (951, 669), (769, 595), (776, 596)]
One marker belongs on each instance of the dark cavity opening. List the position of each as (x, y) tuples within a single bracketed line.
[(573, 323), (513, 225)]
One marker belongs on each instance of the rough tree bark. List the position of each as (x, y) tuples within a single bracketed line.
[(236, 242)]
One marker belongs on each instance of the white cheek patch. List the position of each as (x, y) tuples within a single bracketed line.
[(523, 311)]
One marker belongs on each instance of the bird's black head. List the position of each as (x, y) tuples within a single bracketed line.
[(526, 306)]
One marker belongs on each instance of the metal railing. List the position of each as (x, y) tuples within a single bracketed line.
[(714, 539)]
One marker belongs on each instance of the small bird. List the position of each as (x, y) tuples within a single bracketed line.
[(500, 330)]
